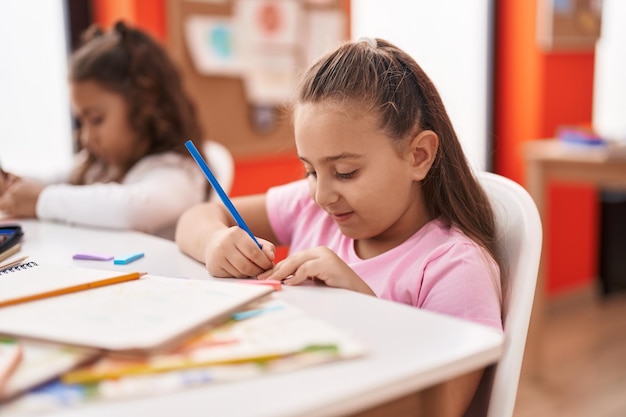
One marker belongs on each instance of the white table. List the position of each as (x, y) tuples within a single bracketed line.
[(409, 349)]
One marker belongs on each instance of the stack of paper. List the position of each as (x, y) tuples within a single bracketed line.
[(84, 313), (268, 337), (43, 362), (139, 316)]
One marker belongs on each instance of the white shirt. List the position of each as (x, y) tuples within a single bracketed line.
[(150, 198)]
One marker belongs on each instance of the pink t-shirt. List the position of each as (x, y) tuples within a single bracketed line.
[(438, 268)]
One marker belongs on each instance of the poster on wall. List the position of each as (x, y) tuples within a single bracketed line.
[(269, 22), (212, 45), (269, 32), (262, 46), (264, 42)]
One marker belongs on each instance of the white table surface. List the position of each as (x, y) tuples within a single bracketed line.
[(408, 349)]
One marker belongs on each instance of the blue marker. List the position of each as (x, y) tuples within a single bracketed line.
[(220, 191), (126, 259)]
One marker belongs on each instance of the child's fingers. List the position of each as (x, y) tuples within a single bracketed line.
[(247, 260), (269, 249), (234, 254), (284, 269), (307, 270), (235, 264), (6, 204), (263, 259)]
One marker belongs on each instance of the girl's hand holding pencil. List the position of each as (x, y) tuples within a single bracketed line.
[(231, 252)]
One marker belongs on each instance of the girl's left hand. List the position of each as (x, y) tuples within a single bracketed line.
[(320, 263), (19, 199), (6, 180)]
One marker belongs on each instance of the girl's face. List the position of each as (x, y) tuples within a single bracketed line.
[(365, 183), (105, 128)]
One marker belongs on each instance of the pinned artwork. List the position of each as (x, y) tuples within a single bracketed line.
[(241, 60), (211, 43), (269, 22), (269, 45)]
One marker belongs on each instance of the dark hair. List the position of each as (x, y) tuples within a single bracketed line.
[(379, 75), (127, 61)]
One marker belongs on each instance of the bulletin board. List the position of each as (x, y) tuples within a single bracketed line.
[(241, 97), (565, 25)]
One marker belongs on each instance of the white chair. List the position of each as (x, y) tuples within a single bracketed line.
[(222, 164), (519, 236)]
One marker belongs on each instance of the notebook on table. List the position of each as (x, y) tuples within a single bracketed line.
[(139, 316), (28, 281), (265, 338), (40, 363)]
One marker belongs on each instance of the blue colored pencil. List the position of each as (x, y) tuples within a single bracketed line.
[(220, 191)]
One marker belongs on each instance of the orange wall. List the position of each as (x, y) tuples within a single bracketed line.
[(256, 175), (517, 86), (536, 92), (147, 14)]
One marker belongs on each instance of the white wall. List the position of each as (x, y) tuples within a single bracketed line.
[(35, 121), (451, 40), (609, 85)]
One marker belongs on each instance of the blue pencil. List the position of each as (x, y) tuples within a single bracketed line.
[(220, 191)]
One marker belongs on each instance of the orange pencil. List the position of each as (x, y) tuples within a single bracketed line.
[(75, 288)]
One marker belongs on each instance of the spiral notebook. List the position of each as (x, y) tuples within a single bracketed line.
[(139, 316), (29, 282)]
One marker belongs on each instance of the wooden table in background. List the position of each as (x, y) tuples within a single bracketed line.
[(548, 160)]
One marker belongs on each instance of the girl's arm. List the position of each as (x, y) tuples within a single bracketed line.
[(146, 206), (151, 198), (19, 195)]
